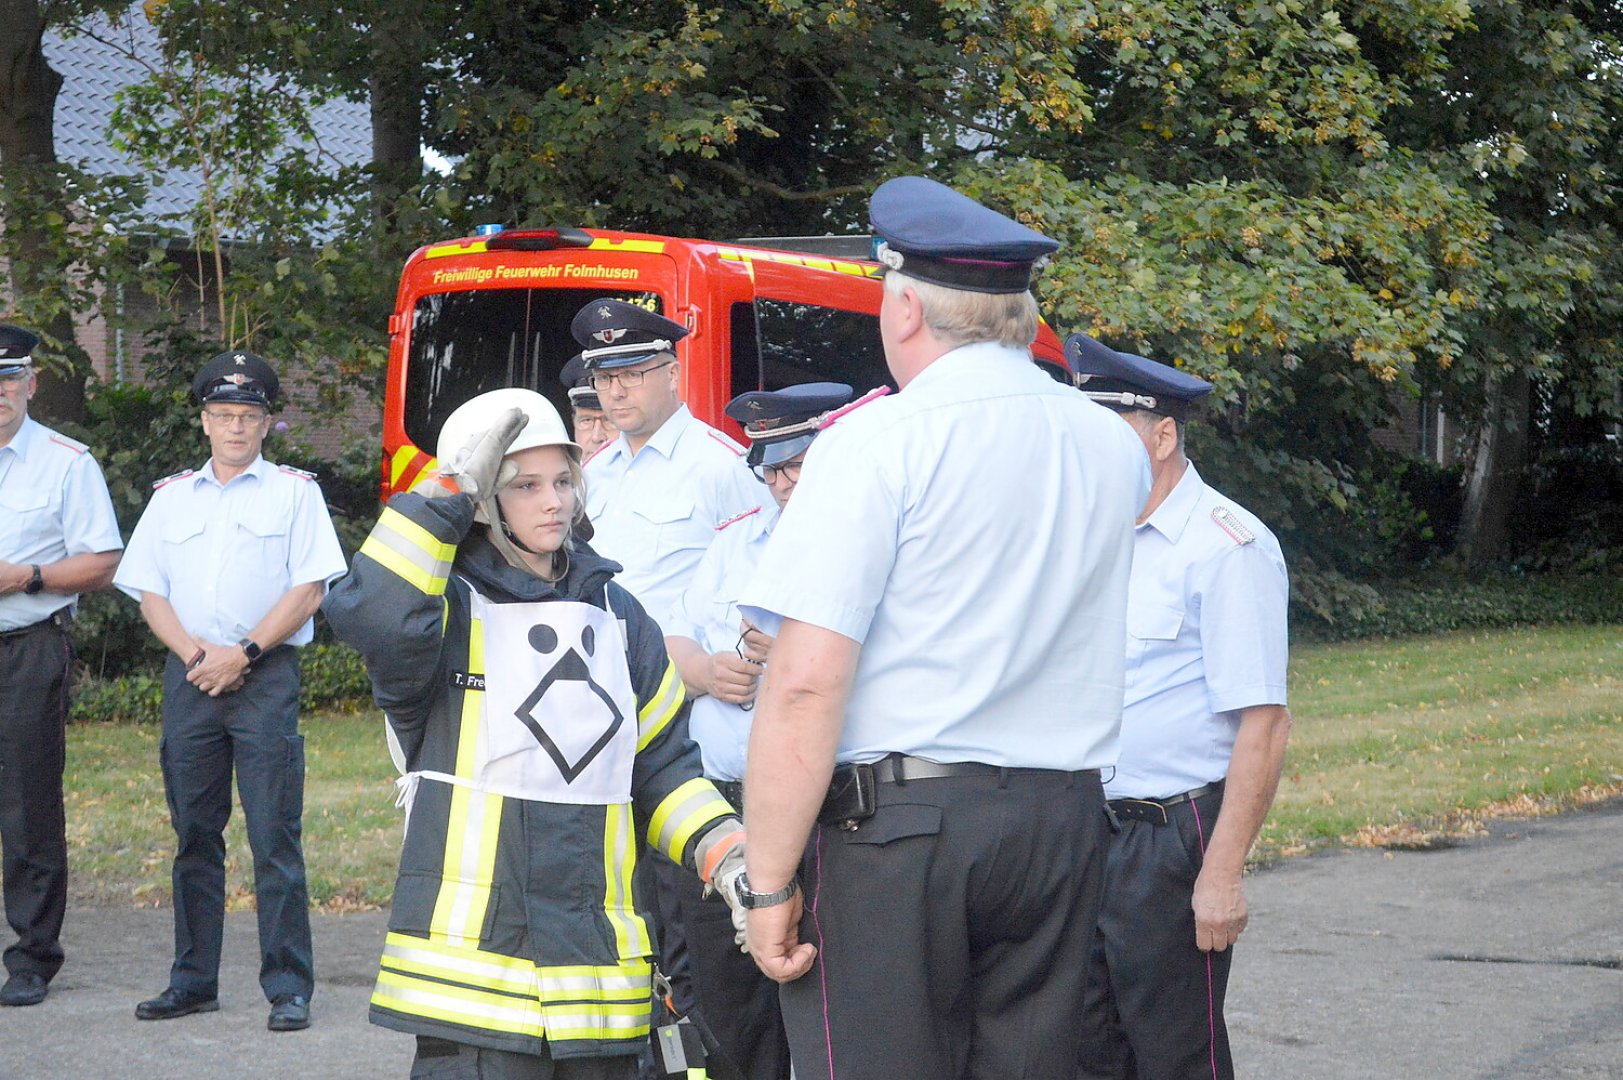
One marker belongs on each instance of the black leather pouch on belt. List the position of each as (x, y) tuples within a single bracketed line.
[(851, 795)]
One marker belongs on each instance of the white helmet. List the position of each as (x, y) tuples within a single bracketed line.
[(545, 426)]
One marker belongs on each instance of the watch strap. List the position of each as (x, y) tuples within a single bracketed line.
[(250, 649), (750, 899), (36, 583)]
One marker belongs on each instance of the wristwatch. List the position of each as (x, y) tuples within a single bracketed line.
[(35, 583), (249, 649), (750, 899)]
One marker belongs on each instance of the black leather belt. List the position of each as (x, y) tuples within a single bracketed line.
[(1154, 811), (59, 619), (732, 791)]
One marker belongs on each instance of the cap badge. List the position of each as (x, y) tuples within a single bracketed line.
[(609, 337), (604, 312), (239, 360)]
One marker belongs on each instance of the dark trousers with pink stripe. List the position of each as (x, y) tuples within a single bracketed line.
[(1153, 1009), (952, 930), (34, 666)]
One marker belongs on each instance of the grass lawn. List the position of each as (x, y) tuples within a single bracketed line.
[(1401, 743), (1412, 742)]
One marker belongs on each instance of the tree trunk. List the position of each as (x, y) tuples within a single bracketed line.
[(396, 82), (28, 89), (1498, 471)]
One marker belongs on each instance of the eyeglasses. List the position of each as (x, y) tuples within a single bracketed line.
[(235, 420), (748, 706), (602, 380), (768, 474)]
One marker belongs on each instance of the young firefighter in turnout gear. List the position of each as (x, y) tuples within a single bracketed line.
[(543, 735)]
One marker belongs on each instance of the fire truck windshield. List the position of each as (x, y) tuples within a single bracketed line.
[(465, 343)]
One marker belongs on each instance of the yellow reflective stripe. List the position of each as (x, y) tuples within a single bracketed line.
[(400, 462), (650, 247), (567, 1022), (627, 981), (653, 717), (410, 552), (684, 812), (619, 861), (476, 967), (439, 251), (474, 825), (815, 262), (458, 1004)]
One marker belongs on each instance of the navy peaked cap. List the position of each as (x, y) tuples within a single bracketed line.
[(236, 376), (1123, 381), (929, 231), (582, 394), (780, 424), (613, 333), (16, 349)]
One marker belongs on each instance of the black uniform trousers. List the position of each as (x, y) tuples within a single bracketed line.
[(953, 929), (34, 670), (254, 729), (718, 985), (1154, 1004), (442, 1059)]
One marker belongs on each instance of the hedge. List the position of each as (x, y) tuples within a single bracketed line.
[(333, 677), (1447, 600)]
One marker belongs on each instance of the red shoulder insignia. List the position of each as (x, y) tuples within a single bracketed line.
[(1224, 519), (598, 451), (291, 471), (156, 484), (723, 439), (872, 395), (738, 517), (72, 444)]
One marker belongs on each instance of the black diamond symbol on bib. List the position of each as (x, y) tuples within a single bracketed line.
[(571, 667)]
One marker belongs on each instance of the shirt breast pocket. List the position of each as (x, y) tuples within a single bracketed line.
[(262, 538), (29, 508), (668, 521), (1149, 625), (179, 532)]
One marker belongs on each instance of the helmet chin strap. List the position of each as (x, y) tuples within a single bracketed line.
[(510, 546)]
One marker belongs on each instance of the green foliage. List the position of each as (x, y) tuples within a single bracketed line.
[(332, 678), (1444, 600)]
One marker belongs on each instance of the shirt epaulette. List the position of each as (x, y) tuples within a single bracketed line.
[(1224, 519), (845, 410), (723, 439), (598, 451), (72, 444), (291, 471), (181, 475), (738, 517)]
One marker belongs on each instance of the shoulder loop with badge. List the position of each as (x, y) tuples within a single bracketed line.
[(1224, 519)]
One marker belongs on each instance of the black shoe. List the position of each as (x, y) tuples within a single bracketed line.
[(23, 988), (174, 1002), (290, 1012)]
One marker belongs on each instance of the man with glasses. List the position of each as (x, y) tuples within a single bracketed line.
[(655, 494), (721, 659), (58, 538), (229, 563), (592, 429)]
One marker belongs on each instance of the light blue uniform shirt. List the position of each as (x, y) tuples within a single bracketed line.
[(655, 513), (223, 555), (973, 534), (708, 613), (1206, 637), (53, 504)]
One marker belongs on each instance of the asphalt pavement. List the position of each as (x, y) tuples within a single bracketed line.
[(1498, 959)]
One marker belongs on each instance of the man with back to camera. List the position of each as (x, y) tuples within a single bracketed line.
[(655, 494), (721, 658), (229, 563), (948, 592), (58, 538), (1202, 744)]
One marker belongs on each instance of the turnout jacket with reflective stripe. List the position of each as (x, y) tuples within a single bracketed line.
[(513, 921)]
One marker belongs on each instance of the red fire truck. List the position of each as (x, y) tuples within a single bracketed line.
[(494, 310)]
